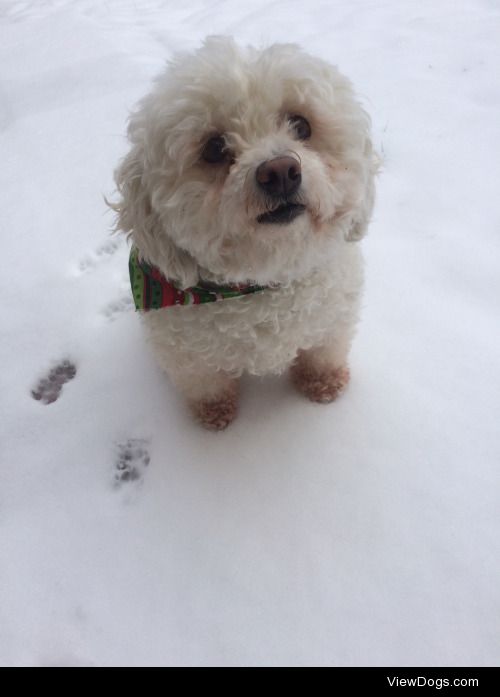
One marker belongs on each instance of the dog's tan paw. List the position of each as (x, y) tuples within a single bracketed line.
[(319, 386), (216, 414)]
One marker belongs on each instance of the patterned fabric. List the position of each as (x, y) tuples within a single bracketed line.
[(152, 291)]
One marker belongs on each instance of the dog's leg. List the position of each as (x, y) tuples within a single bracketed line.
[(322, 373), (216, 410), (212, 396)]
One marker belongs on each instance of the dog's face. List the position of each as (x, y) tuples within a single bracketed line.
[(246, 165)]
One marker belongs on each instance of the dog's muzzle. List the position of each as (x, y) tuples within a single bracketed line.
[(280, 179)]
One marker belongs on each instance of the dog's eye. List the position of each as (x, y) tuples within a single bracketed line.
[(301, 126), (215, 150)]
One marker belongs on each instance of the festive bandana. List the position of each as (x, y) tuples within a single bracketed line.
[(152, 291)]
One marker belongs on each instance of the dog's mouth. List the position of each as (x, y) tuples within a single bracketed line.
[(283, 214)]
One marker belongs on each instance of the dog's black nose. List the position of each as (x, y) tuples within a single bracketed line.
[(279, 177)]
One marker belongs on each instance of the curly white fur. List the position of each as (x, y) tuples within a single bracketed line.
[(193, 219)]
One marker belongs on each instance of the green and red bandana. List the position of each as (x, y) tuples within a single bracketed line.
[(152, 291)]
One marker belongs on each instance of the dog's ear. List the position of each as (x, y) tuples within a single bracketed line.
[(359, 224), (136, 217)]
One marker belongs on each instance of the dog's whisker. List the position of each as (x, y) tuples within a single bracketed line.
[(296, 154)]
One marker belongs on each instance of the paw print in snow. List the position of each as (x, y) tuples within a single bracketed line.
[(132, 459), (102, 253), (49, 388)]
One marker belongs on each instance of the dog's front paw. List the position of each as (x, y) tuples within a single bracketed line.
[(216, 414), (321, 386)]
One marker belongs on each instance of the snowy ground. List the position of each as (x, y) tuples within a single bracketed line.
[(365, 532)]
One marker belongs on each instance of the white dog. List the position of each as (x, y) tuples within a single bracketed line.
[(249, 179)]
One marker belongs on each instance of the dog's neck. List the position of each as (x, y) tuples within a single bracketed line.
[(152, 291)]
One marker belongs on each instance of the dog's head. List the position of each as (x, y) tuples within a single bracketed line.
[(245, 165)]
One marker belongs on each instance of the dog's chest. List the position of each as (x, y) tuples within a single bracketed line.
[(261, 333)]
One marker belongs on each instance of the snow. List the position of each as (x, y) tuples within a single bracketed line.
[(361, 533)]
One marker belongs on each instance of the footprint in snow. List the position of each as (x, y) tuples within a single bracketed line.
[(117, 307), (102, 253), (131, 460), (49, 388)]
